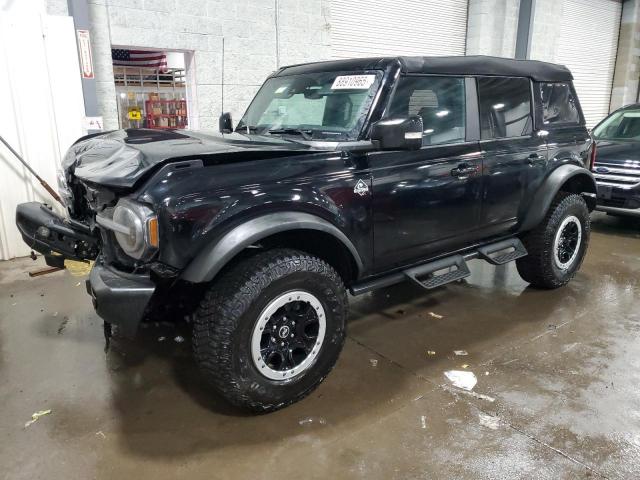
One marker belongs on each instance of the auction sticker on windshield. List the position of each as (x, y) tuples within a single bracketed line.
[(353, 82)]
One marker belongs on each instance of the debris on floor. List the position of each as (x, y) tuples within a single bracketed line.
[(488, 421), (462, 379), (63, 325), (311, 420), (161, 339), (178, 339), (461, 353), (78, 269), (430, 352), (423, 422), (100, 434), (435, 315), (35, 416), (464, 365), (373, 362)]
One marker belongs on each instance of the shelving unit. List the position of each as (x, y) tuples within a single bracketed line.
[(166, 114)]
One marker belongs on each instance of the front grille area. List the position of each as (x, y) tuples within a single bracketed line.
[(626, 175)]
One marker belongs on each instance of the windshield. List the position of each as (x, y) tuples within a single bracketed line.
[(322, 106), (623, 125)]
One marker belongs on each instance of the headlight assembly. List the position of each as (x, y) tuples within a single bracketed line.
[(135, 227)]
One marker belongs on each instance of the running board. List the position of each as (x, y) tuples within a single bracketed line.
[(448, 269), (503, 252), (438, 273)]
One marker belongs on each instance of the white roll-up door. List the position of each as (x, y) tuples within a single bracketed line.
[(370, 28), (588, 45)]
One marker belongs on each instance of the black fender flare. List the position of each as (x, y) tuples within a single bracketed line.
[(582, 181), (205, 266)]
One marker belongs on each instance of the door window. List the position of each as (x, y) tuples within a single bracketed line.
[(559, 104), (440, 101), (505, 107)]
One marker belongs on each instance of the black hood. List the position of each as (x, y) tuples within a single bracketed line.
[(121, 157), (617, 152)]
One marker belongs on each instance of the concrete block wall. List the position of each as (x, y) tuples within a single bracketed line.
[(491, 27), (198, 27), (627, 72)]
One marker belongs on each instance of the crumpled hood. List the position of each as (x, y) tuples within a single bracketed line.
[(121, 157)]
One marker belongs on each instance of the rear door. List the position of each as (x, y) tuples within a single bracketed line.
[(515, 156), (428, 201)]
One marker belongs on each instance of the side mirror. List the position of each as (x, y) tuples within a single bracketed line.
[(225, 124), (398, 133)]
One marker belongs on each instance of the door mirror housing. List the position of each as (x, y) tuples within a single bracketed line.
[(403, 133), (225, 124)]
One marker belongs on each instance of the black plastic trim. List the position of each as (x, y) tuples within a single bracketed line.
[(120, 299), (549, 189), (210, 261)]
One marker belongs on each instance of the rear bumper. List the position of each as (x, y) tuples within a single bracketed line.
[(120, 298)]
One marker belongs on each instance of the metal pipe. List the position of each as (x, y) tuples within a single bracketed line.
[(44, 184)]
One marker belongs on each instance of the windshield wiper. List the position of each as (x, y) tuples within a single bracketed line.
[(247, 129), (306, 134)]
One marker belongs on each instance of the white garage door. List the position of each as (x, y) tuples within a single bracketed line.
[(588, 45), (370, 28)]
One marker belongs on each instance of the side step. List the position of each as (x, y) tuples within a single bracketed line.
[(455, 266), (503, 252), (448, 269)]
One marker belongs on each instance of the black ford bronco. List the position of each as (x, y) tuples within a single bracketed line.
[(346, 175)]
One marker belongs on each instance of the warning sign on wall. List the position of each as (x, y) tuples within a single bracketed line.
[(84, 52)]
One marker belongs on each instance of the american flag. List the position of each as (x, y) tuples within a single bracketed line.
[(139, 58)]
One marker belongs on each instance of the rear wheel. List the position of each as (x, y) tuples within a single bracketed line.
[(270, 329), (558, 245)]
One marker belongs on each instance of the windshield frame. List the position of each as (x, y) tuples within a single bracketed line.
[(354, 134)]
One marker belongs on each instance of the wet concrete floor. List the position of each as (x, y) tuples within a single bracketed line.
[(558, 392)]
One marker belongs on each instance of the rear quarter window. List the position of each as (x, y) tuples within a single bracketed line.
[(559, 105)]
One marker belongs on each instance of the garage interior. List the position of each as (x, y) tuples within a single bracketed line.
[(557, 371)]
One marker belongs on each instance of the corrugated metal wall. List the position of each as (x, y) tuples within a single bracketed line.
[(363, 28), (42, 111), (588, 45)]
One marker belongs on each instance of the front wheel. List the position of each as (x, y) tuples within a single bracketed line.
[(270, 329), (558, 245)]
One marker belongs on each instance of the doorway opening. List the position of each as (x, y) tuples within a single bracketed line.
[(151, 88)]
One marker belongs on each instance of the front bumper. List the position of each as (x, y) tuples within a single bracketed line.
[(48, 233), (120, 298), (619, 201)]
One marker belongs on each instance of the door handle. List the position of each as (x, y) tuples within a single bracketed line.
[(463, 170), (536, 158)]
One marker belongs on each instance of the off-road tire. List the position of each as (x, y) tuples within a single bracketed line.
[(538, 267), (230, 309)]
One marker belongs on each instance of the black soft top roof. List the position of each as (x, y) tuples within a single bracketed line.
[(469, 65)]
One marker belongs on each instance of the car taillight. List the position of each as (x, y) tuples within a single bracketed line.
[(592, 159)]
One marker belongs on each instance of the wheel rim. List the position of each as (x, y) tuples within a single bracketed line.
[(288, 335), (566, 245)]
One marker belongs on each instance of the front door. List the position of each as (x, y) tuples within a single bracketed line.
[(515, 157), (426, 201)]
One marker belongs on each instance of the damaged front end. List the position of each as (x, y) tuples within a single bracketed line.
[(104, 225)]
